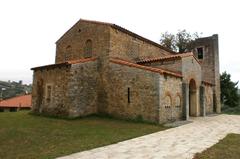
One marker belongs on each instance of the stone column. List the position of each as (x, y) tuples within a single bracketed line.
[(202, 101), (185, 101)]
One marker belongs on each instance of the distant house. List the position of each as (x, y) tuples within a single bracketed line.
[(16, 103)]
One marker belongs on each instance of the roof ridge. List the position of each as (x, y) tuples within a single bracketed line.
[(167, 57), (123, 30), (18, 101), (15, 97), (141, 38), (128, 32), (157, 70), (70, 62), (97, 22)]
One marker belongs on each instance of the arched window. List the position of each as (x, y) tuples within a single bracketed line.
[(167, 101), (68, 53), (178, 101), (88, 49)]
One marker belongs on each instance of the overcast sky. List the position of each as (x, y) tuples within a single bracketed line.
[(30, 28)]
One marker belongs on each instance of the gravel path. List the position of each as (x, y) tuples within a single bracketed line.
[(177, 143)]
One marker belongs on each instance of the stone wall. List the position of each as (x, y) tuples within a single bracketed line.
[(124, 91), (191, 70), (133, 93), (208, 99), (170, 98), (52, 102), (73, 90), (127, 47), (82, 89), (77, 37), (210, 64), (172, 65), (72, 45)]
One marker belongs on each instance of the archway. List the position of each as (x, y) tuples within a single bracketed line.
[(192, 98)]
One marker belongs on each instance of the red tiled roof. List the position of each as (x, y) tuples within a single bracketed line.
[(65, 63), (168, 57), (157, 70), (124, 31), (24, 101), (50, 66)]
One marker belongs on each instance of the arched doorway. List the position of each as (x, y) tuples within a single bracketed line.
[(192, 98)]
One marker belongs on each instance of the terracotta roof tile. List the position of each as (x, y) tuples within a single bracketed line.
[(125, 31), (65, 63), (157, 70), (168, 57), (24, 101)]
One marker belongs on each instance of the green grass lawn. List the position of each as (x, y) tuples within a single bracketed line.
[(27, 136), (228, 148)]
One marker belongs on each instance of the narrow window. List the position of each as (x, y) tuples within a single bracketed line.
[(49, 93), (40, 90), (200, 52), (129, 95), (178, 102), (88, 49), (68, 53)]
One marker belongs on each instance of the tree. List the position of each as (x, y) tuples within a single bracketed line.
[(229, 90), (181, 42)]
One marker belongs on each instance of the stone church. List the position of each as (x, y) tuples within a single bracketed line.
[(103, 68)]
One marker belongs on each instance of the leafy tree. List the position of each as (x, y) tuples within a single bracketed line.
[(229, 90), (181, 42)]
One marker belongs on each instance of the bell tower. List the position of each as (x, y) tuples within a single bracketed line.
[(207, 52)]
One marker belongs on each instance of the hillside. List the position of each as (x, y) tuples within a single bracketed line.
[(10, 89)]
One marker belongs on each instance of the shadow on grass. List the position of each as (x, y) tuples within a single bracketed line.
[(227, 148)]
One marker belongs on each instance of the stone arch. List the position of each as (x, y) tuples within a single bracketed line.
[(178, 106), (88, 49), (167, 100), (178, 100), (168, 111), (192, 98)]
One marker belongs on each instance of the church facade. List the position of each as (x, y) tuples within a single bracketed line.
[(102, 68)]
